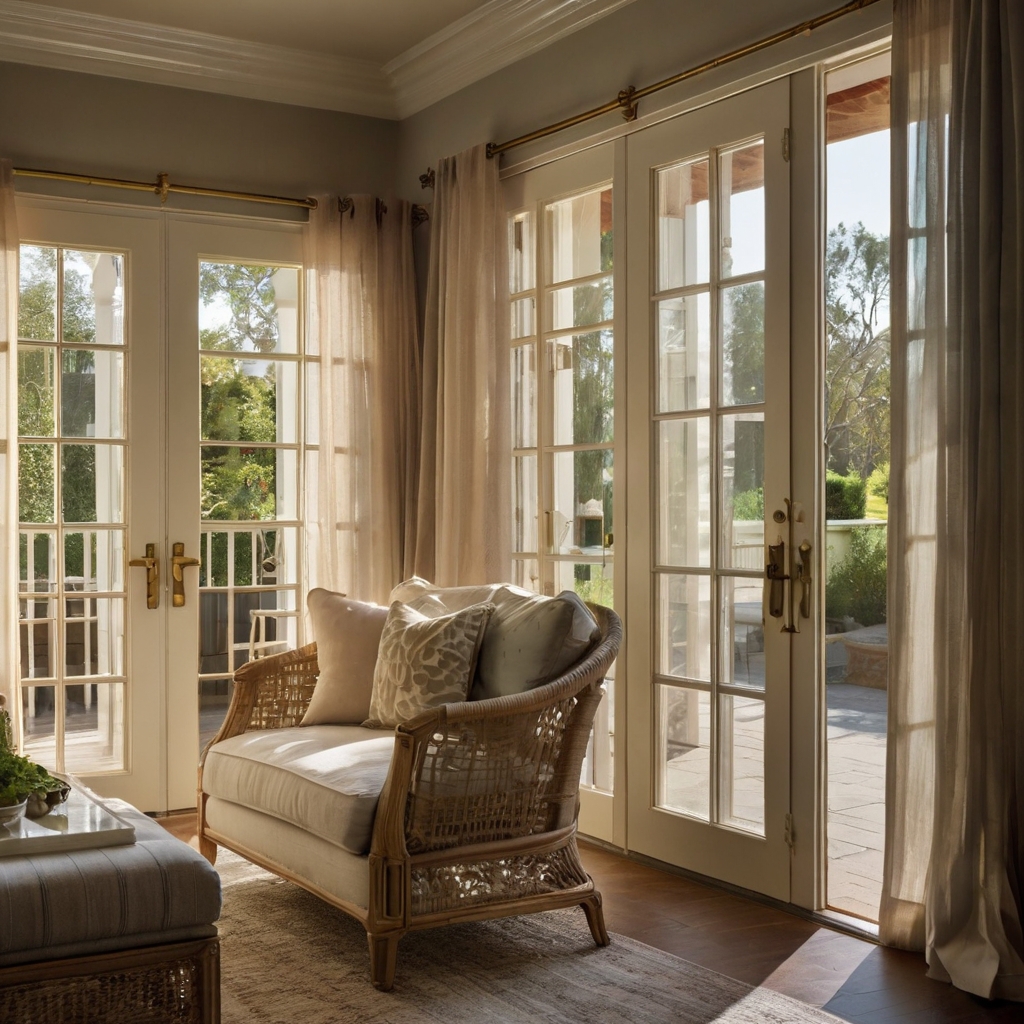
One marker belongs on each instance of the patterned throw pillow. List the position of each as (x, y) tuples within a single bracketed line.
[(424, 663)]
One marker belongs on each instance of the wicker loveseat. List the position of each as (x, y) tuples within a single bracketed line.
[(476, 818)]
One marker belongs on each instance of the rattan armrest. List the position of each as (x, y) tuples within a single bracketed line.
[(271, 693)]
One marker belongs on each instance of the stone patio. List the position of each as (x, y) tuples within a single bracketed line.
[(856, 797)]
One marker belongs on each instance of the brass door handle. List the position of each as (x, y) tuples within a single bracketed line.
[(152, 566), (179, 560)]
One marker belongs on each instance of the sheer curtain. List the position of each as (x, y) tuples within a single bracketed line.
[(364, 394), (9, 574), (464, 534), (954, 856)]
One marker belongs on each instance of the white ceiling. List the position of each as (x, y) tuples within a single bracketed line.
[(374, 30), (384, 58)]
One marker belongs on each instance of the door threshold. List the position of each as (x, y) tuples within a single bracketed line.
[(836, 920)]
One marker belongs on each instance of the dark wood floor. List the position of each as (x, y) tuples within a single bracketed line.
[(851, 978)]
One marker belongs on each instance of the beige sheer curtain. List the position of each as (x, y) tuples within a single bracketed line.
[(955, 785), (9, 574), (364, 395), (464, 533)]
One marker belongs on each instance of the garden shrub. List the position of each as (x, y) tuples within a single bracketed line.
[(856, 587), (878, 482), (845, 496), (748, 504)]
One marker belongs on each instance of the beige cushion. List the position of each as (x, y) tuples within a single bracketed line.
[(347, 636), (424, 662), (529, 639), (325, 779)]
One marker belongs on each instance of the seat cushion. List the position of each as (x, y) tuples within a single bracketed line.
[(325, 779), (347, 635), (56, 905)]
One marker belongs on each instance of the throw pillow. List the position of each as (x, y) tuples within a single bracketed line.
[(531, 640), (347, 637), (424, 662)]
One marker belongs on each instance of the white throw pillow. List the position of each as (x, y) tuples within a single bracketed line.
[(347, 635), (424, 662)]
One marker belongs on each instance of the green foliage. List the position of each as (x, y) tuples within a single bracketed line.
[(845, 496), (19, 777), (857, 360), (252, 301), (748, 504), (878, 482), (744, 343), (594, 584), (856, 587)]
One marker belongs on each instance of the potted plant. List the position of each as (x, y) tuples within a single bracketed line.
[(22, 781)]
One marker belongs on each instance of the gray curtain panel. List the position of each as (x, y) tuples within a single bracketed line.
[(954, 861)]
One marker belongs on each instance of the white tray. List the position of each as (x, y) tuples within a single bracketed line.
[(82, 822)]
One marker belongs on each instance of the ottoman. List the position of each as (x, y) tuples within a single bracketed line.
[(121, 934)]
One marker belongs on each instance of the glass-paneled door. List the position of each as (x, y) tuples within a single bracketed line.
[(236, 427), (708, 456), (563, 269), (91, 467)]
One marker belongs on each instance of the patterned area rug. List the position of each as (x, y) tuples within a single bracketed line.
[(287, 956)]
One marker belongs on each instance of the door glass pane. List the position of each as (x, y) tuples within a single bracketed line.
[(741, 762), (524, 396), (684, 353), (684, 492), (521, 249), (37, 627), (38, 724), (92, 393), (93, 631), (524, 502), (684, 750), (590, 581), (583, 388), (249, 400), (741, 636), (94, 727), (742, 173), (684, 236), (214, 698), (93, 307), (249, 483), (38, 561), (36, 391), (579, 232), (248, 308), (583, 501), (37, 293), (581, 305), (742, 469), (94, 560), (92, 483), (743, 344), (36, 498), (523, 317), (684, 626)]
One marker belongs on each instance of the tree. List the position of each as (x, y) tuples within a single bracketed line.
[(857, 340)]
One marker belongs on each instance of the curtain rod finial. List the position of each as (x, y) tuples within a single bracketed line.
[(427, 180)]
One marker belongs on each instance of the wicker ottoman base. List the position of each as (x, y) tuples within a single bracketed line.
[(174, 984)]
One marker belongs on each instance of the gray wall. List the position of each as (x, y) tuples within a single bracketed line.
[(639, 44), (66, 121)]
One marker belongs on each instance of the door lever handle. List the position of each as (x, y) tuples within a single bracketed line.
[(179, 560), (152, 566)]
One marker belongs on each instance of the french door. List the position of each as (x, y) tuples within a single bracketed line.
[(160, 372), (708, 665)]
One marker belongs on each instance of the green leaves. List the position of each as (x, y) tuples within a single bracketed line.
[(20, 777)]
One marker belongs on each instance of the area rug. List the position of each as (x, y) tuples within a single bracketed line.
[(287, 957)]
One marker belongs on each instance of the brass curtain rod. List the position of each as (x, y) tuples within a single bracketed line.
[(628, 98), (163, 187)]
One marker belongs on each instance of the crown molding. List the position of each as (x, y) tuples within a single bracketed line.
[(495, 35), (71, 41)]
